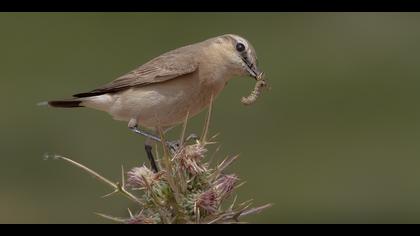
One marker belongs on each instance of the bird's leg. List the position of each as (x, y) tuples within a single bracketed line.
[(148, 148), (173, 145), (132, 125), (136, 130)]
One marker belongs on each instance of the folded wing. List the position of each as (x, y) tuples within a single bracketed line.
[(163, 68)]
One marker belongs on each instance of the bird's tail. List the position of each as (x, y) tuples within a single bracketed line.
[(70, 103)]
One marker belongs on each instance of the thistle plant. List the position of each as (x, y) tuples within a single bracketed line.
[(188, 189)]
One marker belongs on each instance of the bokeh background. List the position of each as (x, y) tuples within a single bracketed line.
[(336, 140)]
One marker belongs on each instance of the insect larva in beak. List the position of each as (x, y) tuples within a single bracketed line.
[(259, 86)]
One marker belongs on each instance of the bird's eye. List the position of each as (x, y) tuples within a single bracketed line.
[(240, 47)]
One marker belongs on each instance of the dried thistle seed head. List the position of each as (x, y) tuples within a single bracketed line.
[(208, 201), (225, 184), (195, 151), (138, 175), (190, 158)]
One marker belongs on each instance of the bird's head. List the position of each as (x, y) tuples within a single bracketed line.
[(238, 55)]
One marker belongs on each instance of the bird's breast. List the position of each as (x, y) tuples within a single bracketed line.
[(167, 104)]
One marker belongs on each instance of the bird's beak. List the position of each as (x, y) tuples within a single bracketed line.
[(254, 72), (252, 69)]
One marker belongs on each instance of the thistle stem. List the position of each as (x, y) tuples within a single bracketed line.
[(117, 187)]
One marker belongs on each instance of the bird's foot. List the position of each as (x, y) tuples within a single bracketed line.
[(175, 145)]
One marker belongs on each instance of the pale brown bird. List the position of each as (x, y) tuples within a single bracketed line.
[(162, 91)]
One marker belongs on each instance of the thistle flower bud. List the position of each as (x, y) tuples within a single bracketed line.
[(208, 201), (225, 184)]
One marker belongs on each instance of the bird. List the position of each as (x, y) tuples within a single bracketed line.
[(162, 91)]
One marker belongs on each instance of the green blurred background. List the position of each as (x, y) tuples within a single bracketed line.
[(336, 140)]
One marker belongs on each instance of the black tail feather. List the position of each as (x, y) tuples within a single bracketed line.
[(65, 103)]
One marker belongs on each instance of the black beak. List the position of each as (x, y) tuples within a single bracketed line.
[(251, 68)]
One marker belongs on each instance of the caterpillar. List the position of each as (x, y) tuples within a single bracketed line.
[(259, 86)]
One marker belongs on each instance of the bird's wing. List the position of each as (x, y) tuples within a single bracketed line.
[(165, 67)]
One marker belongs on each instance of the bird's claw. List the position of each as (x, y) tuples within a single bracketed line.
[(175, 145)]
